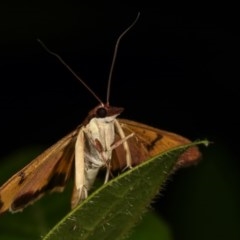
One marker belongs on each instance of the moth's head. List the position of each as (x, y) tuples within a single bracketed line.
[(103, 111)]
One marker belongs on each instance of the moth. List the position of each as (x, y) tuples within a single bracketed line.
[(101, 141)]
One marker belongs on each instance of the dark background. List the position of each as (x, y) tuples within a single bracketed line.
[(175, 70)]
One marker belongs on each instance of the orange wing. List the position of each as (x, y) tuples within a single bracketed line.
[(48, 172), (148, 142)]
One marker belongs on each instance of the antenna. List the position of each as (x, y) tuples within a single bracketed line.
[(115, 55), (68, 67), (111, 69)]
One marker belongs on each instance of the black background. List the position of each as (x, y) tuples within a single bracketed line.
[(175, 70)]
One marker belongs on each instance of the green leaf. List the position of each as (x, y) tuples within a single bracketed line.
[(113, 209)]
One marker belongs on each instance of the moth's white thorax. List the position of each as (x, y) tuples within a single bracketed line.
[(100, 131), (93, 151)]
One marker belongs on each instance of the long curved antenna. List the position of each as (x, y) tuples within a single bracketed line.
[(74, 74), (115, 55)]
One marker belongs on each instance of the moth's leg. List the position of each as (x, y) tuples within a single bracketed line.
[(125, 144), (80, 190), (107, 174), (122, 141)]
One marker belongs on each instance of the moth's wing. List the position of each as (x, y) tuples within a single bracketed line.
[(48, 172), (148, 142)]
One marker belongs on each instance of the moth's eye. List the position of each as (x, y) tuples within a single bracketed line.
[(101, 112)]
